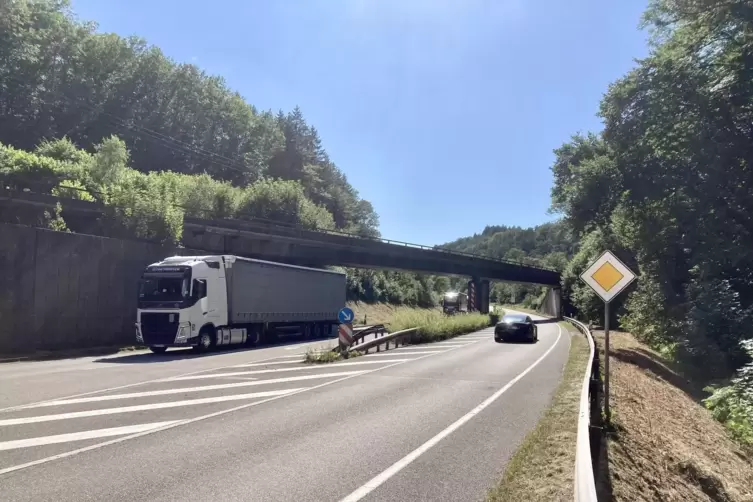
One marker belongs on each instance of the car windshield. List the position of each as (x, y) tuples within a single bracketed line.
[(514, 318), (163, 289)]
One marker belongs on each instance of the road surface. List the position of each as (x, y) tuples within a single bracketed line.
[(433, 422)]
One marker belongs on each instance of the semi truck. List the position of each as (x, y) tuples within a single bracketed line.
[(454, 303), (209, 301)]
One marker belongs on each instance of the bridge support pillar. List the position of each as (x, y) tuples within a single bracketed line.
[(472, 295), (483, 296), (552, 304), (478, 295)]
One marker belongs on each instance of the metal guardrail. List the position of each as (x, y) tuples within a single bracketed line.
[(585, 486), (397, 336), (361, 332)]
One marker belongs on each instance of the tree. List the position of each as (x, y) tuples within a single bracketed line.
[(667, 183)]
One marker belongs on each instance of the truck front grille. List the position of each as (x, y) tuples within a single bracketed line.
[(158, 329)]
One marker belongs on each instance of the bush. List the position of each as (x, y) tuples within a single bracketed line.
[(733, 405)]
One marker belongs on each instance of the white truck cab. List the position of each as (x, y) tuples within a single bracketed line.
[(179, 299)]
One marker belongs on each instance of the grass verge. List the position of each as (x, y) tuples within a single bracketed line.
[(323, 356), (432, 323), (542, 468), (434, 326), (664, 444)]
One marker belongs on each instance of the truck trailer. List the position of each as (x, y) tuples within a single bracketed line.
[(208, 301)]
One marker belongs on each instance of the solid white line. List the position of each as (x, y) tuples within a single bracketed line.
[(401, 464), (187, 421), (424, 347), (299, 359), (141, 407), (203, 388), (313, 367), (393, 353), (81, 436)]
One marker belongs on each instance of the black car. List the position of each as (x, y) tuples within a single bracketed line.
[(516, 327)]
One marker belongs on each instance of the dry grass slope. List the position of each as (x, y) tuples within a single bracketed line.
[(666, 445)]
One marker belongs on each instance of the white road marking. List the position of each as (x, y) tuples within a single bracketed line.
[(401, 464), (393, 353), (203, 388), (314, 367), (424, 347), (187, 421), (81, 436), (126, 386), (269, 363), (142, 407)]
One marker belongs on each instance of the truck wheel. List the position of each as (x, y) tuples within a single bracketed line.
[(254, 337), (206, 340), (158, 350), (317, 330)]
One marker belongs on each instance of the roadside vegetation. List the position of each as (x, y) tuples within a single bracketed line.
[(665, 186), (664, 445), (323, 355), (542, 467), (434, 326)]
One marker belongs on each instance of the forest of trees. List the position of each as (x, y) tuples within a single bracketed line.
[(60, 78), (99, 117), (549, 245), (668, 186)]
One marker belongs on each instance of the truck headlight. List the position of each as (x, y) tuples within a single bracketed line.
[(139, 337), (184, 332)]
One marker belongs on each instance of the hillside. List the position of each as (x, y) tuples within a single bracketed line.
[(60, 77), (665, 444)]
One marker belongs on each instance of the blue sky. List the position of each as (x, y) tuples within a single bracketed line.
[(442, 113)]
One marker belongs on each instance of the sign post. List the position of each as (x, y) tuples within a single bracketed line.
[(345, 330), (607, 276)]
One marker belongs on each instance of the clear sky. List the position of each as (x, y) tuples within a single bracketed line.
[(442, 113)]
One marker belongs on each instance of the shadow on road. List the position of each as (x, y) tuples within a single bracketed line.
[(176, 354)]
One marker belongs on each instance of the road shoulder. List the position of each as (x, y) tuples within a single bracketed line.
[(548, 452)]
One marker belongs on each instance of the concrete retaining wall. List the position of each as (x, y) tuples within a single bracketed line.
[(62, 290)]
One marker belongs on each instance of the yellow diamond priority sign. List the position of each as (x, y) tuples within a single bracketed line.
[(608, 276)]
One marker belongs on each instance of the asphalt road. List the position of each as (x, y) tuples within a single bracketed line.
[(432, 422)]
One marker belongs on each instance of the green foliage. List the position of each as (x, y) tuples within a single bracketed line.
[(284, 201), (56, 221), (398, 288), (152, 205), (72, 189), (320, 356), (549, 245), (27, 170), (63, 150), (733, 404), (667, 185), (60, 78), (109, 162)]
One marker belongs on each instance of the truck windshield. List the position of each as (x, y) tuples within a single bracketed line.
[(163, 289)]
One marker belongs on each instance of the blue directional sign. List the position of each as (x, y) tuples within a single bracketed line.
[(345, 316)]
